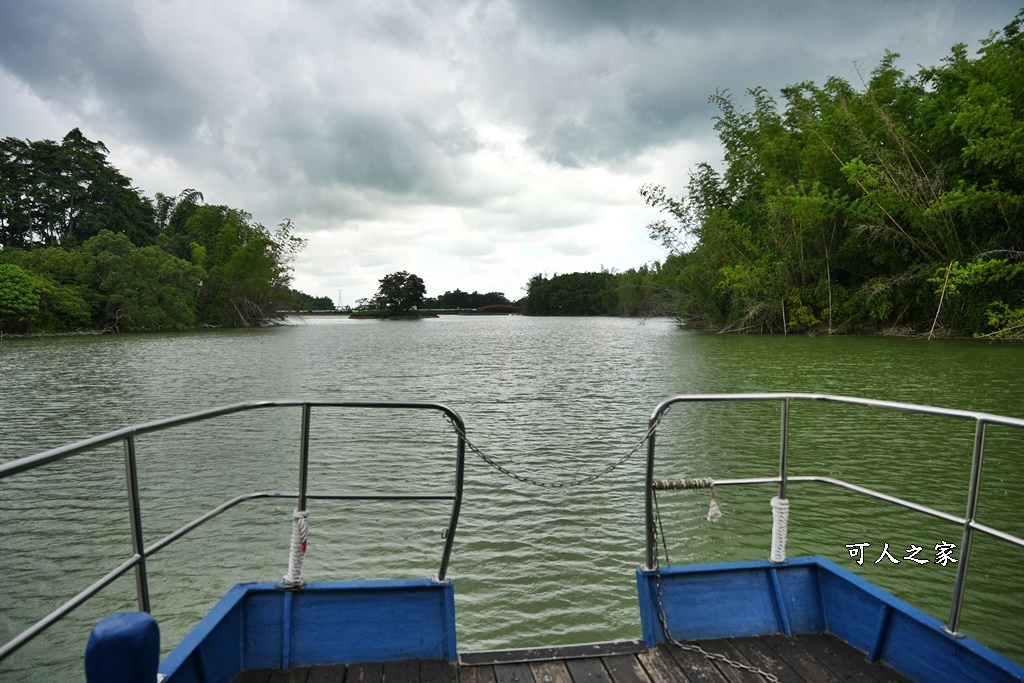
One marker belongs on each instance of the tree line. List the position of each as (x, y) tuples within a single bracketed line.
[(80, 248), (895, 206)]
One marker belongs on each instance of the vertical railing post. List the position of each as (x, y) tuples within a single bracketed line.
[(300, 518), (135, 514), (649, 493), (956, 602), (460, 475), (784, 448), (304, 458)]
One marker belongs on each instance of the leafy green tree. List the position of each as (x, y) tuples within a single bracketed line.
[(400, 292), (55, 198), (21, 296), (248, 268), (571, 294), (304, 302), (139, 288), (467, 300), (65, 193), (323, 303), (30, 302)]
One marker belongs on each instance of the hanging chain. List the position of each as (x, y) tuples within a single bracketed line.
[(563, 484), (661, 530), (713, 656), (768, 676)]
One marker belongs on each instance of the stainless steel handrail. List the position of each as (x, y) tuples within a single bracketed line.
[(140, 552), (968, 522)]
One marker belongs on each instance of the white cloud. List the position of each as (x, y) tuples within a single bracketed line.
[(473, 143)]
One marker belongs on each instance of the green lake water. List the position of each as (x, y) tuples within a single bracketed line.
[(550, 398)]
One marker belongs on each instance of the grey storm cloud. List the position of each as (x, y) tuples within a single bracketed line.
[(500, 118), (89, 56), (591, 82)]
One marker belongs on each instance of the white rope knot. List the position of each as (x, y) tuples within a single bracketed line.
[(780, 529), (678, 484), (297, 552)]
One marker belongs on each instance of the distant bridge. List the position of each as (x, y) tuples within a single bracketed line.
[(498, 308), (495, 309)]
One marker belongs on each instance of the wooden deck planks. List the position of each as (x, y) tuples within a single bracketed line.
[(817, 658), (625, 669), (327, 674), (518, 672), (588, 671), (551, 671), (661, 667), (476, 674)]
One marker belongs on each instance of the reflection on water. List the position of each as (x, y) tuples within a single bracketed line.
[(549, 398)]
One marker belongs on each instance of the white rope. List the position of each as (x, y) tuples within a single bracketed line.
[(679, 484), (297, 553), (780, 529), (714, 513)]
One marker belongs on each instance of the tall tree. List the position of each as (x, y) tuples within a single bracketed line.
[(139, 288), (248, 268), (400, 291), (66, 193)]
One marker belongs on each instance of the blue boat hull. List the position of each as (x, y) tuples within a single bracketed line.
[(262, 625), (811, 595)]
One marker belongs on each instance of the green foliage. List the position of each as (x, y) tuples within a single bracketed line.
[(138, 288), (976, 292), (835, 209), (246, 268), (467, 300), (571, 294), (399, 292), (21, 294), (65, 193), (1008, 322), (83, 244), (30, 302), (300, 301)]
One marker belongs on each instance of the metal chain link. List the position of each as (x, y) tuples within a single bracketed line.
[(550, 483), (713, 656)]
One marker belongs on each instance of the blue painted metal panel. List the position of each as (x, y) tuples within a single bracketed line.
[(799, 582), (329, 622), (372, 625), (187, 662), (852, 611), (933, 655), (262, 630), (905, 637), (710, 601)]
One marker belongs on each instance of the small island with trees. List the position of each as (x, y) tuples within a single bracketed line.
[(402, 295)]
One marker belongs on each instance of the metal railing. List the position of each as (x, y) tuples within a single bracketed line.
[(968, 522), (140, 551)]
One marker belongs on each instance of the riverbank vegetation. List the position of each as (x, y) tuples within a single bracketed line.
[(81, 249), (895, 205)]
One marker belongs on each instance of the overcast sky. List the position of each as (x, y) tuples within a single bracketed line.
[(472, 143)]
